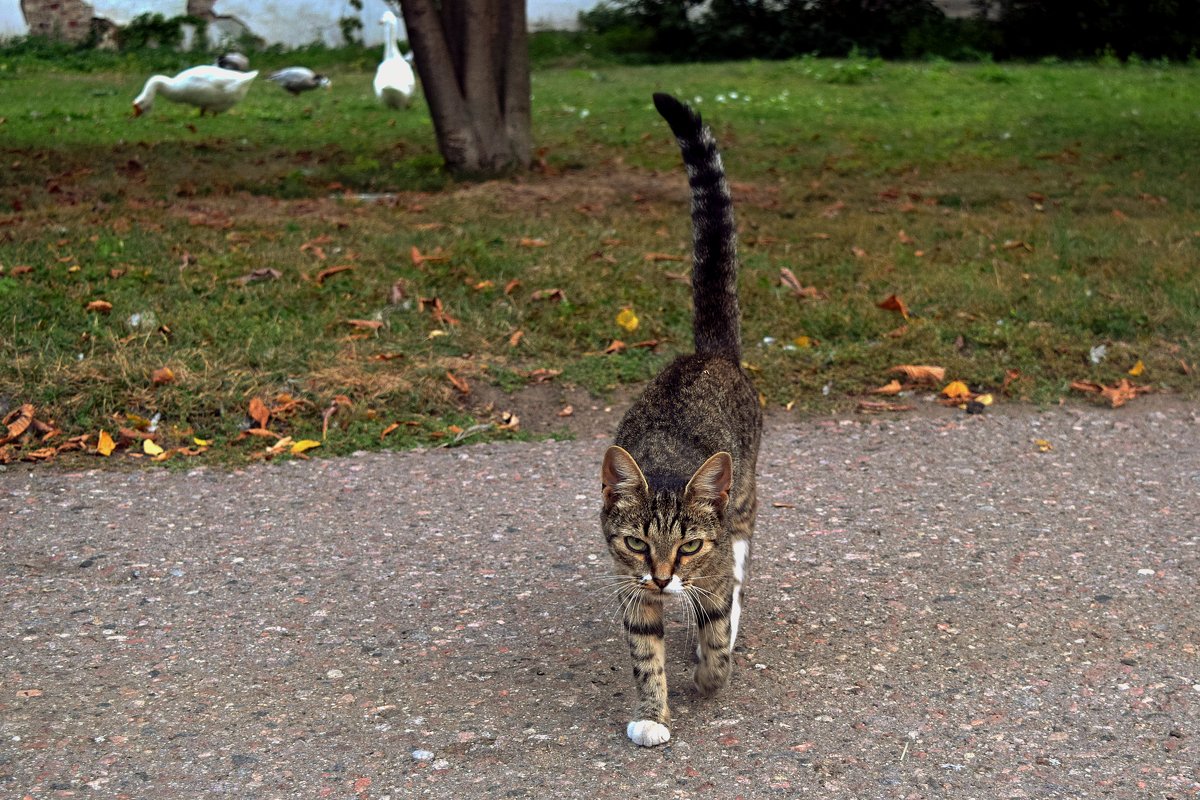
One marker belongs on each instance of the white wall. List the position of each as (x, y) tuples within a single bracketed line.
[(12, 21), (288, 22)]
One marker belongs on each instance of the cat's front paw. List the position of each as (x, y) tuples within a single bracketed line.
[(647, 732)]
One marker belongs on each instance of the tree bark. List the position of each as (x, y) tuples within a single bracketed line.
[(473, 60)]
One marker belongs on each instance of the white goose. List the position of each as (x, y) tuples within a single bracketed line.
[(394, 80), (208, 88)]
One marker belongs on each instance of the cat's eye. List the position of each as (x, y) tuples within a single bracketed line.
[(691, 547), (636, 545)]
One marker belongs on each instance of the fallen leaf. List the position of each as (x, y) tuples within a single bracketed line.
[(304, 444), (873, 407), (1014, 244), (461, 385), (527, 242), (920, 373), (648, 344), (515, 338), (18, 421), (663, 257), (905, 238), (858, 252), (263, 274), (418, 258), (542, 374), (481, 285), (365, 324), (1117, 395), (782, 505), (162, 375), (788, 278), (803, 341), (105, 444), (509, 422), (566, 411), (201, 442), (1137, 369), (330, 272), (42, 454), (511, 285), (892, 387), (616, 347), (99, 306), (556, 295), (834, 210), (389, 429), (896, 333), (150, 448), (434, 304), (259, 412), (893, 303), (985, 399), (29, 693), (956, 390), (627, 320), (1043, 445)]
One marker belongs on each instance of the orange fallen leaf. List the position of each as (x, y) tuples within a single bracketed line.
[(566, 411), (788, 278), (1117, 395), (511, 285), (893, 303), (99, 306), (663, 257), (18, 421), (956, 390), (460, 384), (365, 324), (389, 429), (892, 387), (418, 258), (105, 444), (556, 295), (1137, 369), (259, 412), (162, 375), (921, 373), (515, 338), (616, 347), (542, 374), (330, 272), (528, 242)]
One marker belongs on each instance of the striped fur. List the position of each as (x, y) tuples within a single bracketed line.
[(678, 484)]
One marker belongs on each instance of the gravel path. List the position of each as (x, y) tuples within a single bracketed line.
[(937, 609)]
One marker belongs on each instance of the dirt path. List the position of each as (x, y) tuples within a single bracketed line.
[(939, 607)]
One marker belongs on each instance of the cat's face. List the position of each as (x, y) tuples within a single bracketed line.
[(667, 542)]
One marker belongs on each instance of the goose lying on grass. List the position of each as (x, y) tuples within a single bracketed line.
[(394, 80), (211, 89), (299, 79)]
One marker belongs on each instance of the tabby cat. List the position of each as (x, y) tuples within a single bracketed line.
[(679, 498)]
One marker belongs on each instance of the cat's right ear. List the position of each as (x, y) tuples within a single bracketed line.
[(622, 478)]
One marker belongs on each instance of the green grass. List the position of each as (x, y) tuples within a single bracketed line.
[(1047, 209)]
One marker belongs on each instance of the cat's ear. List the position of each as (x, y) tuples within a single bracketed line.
[(622, 478), (710, 485)]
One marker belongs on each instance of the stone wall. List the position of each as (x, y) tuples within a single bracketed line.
[(59, 19)]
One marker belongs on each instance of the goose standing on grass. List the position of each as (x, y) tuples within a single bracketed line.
[(210, 89), (394, 80), (236, 61), (299, 79)]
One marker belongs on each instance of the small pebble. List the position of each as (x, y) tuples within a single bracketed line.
[(422, 755)]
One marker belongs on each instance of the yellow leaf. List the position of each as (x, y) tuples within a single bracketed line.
[(956, 389), (105, 445), (985, 400), (627, 320), (150, 448), (802, 341), (304, 444), (1043, 445), (201, 442), (1137, 368)]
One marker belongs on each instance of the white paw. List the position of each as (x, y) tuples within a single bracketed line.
[(647, 732)]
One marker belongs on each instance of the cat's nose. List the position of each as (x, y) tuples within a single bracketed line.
[(661, 582)]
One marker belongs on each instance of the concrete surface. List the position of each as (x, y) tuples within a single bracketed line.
[(937, 609)]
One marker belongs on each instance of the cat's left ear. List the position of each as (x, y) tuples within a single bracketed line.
[(710, 485)]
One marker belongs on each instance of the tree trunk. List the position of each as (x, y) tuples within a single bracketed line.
[(473, 60)]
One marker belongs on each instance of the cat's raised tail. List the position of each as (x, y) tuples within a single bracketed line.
[(716, 320)]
